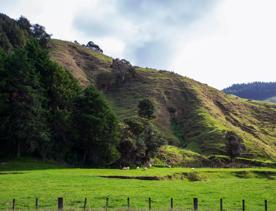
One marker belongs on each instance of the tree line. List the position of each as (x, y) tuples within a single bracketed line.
[(45, 113), (253, 91)]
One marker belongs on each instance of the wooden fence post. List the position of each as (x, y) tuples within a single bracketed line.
[(36, 203), (128, 203), (13, 204), (265, 204), (243, 205), (85, 202), (106, 202), (195, 204), (149, 203), (220, 205), (171, 203), (60, 203)]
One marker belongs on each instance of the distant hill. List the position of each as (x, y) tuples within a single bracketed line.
[(254, 91)]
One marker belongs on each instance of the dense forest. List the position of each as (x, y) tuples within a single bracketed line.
[(45, 113), (253, 91)]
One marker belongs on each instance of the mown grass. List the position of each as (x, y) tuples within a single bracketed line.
[(47, 182)]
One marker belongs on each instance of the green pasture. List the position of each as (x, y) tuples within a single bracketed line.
[(27, 180)]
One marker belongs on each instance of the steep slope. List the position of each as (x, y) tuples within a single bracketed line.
[(188, 114)]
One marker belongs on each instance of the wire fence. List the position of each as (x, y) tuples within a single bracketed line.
[(84, 205)]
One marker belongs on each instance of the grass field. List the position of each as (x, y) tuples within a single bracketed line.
[(27, 180)]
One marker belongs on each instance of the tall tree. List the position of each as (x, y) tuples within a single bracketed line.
[(40, 34), (139, 143), (24, 104), (3, 105), (96, 129), (61, 89), (11, 34), (24, 23)]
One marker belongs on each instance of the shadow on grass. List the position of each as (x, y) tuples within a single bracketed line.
[(6, 173), (256, 174), (26, 164)]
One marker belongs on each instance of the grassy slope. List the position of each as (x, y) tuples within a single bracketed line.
[(47, 183), (202, 115)]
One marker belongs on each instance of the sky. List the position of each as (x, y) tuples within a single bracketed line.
[(217, 42)]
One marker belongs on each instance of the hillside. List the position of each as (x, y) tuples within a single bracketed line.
[(254, 91), (188, 113), (51, 112)]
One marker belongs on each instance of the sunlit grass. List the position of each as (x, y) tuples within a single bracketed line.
[(48, 183)]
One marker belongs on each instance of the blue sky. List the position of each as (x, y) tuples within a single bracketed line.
[(218, 42)]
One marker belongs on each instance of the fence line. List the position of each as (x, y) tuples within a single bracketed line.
[(60, 204)]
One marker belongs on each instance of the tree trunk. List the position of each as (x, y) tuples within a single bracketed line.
[(18, 153), (84, 158), (44, 155)]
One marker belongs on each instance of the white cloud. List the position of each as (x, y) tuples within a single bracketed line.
[(147, 28), (240, 48), (56, 15)]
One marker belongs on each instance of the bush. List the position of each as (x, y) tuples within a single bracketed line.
[(146, 108), (195, 176)]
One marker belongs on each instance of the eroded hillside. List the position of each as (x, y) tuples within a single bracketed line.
[(188, 113)]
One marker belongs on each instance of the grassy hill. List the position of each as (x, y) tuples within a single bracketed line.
[(189, 114)]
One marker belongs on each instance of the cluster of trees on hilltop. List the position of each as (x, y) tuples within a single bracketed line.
[(253, 91), (15, 34), (44, 112)]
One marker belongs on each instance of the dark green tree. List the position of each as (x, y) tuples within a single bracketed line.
[(40, 34), (127, 147), (23, 105), (40, 84), (11, 35), (234, 145), (61, 89), (146, 108), (139, 143), (4, 42), (25, 24), (95, 129), (4, 143)]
